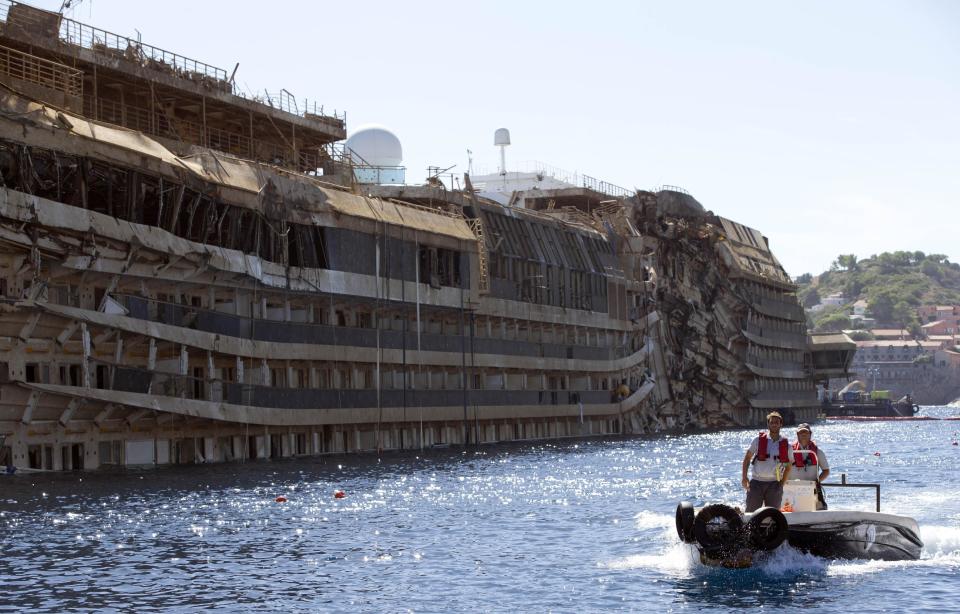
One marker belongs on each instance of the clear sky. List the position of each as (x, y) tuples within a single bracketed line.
[(832, 127)]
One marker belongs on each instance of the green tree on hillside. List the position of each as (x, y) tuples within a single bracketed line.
[(833, 322), (884, 280), (931, 269), (852, 287), (847, 262), (903, 314), (881, 304), (810, 297)]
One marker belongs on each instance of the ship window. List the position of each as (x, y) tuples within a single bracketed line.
[(111, 452)]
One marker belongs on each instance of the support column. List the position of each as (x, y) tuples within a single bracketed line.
[(85, 365)]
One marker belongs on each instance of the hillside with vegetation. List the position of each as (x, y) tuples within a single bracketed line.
[(894, 284)]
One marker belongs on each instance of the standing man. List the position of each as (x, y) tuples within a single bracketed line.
[(769, 455), (810, 462)]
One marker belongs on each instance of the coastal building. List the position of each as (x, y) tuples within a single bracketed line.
[(891, 334), (833, 300), (908, 366), (941, 327), (948, 359), (189, 274), (944, 341), (932, 313)]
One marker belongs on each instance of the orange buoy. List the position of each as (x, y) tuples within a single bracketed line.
[(281, 499), (339, 494)]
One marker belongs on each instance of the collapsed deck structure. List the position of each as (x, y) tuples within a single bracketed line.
[(190, 275)]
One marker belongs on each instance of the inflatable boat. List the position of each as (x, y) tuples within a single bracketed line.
[(725, 536)]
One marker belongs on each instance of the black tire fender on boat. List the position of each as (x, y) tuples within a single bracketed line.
[(685, 516), (766, 529), (723, 541)]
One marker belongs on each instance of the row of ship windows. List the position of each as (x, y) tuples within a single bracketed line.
[(325, 313), (890, 356), (354, 387), (761, 384), (200, 379)]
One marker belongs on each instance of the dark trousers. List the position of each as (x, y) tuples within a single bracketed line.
[(763, 494)]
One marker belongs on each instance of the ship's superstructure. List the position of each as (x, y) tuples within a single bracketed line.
[(190, 275)]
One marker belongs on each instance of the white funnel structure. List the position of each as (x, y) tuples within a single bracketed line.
[(501, 138)]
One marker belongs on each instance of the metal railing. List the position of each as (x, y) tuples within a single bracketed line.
[(671, 188), (287, 102), (573, 178), (844, 484), (241, 145), (32, 69), (784, 395), (107, 43), (137, 379), (88, 37)]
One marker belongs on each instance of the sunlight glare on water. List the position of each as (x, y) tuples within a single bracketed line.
[(570, 526)]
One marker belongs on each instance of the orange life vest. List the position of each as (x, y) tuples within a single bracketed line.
[(763, 448), (801, 460)]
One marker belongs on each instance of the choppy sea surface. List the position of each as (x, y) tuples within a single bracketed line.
[(581, 525)]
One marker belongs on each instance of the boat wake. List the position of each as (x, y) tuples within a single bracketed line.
[(652, 520), (940, 541), (679, 560)]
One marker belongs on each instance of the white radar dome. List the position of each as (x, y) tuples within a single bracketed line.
[(376, 145)]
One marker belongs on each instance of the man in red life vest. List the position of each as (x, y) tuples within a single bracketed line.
[(810, 462), (769, 454)]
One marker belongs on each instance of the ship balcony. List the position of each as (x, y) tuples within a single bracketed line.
[(137, 380), (775, 334), (785, 398), (777, 308), (259, 329)]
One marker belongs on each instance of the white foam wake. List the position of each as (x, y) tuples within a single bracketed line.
[(941, 549), (652, 520), (678, 559), (940, 541)]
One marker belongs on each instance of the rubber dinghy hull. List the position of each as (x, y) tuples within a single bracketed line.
[(855, 535)]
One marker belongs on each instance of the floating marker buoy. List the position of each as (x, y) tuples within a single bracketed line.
[(281, 499), (339, 494), (876, 453)]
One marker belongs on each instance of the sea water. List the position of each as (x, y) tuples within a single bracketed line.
[(579, 525)]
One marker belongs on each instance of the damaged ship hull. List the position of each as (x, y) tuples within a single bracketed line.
[(178, 285)]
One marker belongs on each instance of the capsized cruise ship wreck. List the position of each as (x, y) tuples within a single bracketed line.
[(188, 274)]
